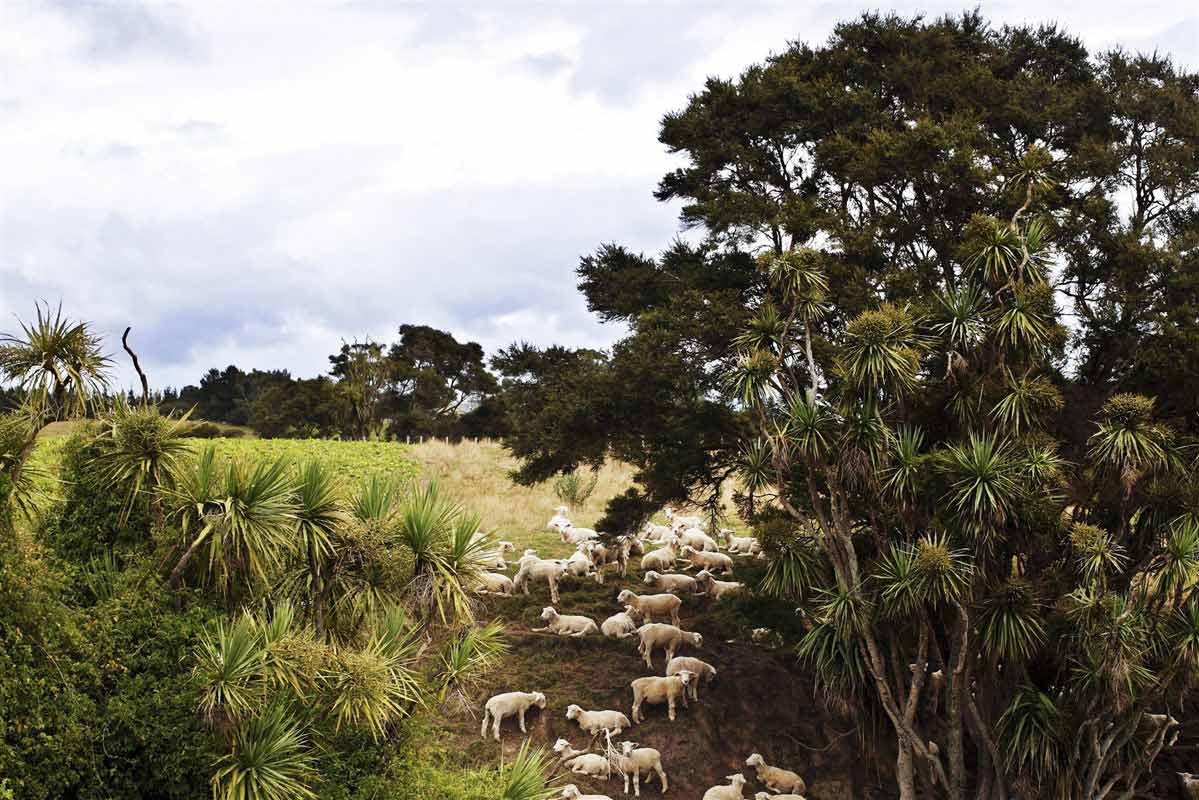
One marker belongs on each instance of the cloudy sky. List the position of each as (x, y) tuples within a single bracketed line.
[(251, 182)]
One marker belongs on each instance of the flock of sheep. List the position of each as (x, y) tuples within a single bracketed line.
[(682, 539)]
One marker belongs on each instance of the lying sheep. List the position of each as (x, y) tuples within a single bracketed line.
[(571, 792), (699, 540), (661, 559), (537, 569), (679, 522), (507, 705), (667, 637), (1189, 784), (701, 670), (673, 582), (732, 791), (566, 624), (494, 583), (633, 761), (581, 762), (768, 796), (572, 535), (595, 722), (656, 533), (742, 545), (655, 691), (559, 520), (717, 589), (620, 626), (647, 605), (579, 565), (776, 779), (713, 562)]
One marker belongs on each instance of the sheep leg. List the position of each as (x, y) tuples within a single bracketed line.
[(554, 591), (674, 617), (495, 726), (636, 781), (649, 657), (661, 776), (523, 729), (483, 729)]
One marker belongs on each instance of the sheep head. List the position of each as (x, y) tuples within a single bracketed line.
[(693, 639), (687, 550), (625, 596), (548, 613), (627, 747), (539, 699), (737, 780), (652, 577), (570, 791), (755, 760), (573, 711), (561, 745), (507, 547), (685, 675)]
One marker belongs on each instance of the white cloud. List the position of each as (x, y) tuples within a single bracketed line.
[(252, 182)]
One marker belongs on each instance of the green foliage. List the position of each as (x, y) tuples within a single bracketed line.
[(574, 489), (56, 362), (527, 777), (269, 760)]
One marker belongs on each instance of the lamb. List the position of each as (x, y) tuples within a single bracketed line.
[(656, 533), (507, 705), (580, 762), (647, 605), (534, 568), (672, 582), (566, 624), (595, 722), (713, 562), (678, 522), (661, 559), (632, 761), (730, 792), (620, 626), (717, 589), (699, 540), (768, 796), (572, 535), (494, 583), (655, 690), (571, 792), (776, 778), (667, 637), (1189, 784), (702, 671), (635, 545)]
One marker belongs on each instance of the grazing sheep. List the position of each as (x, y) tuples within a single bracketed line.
[(537, 569), (595, 722), (507, 705), (620, 626), (655, 691), (647, 605), (667, 637), (581, 762), (672, 582), (699, 540), (717, 589), (571, 792), (566, 624), (701, 670), (661, 559), (768, 796), (713, 562), (572, 535), (494, 583), (776, 778), (632, 761), (730, 792)]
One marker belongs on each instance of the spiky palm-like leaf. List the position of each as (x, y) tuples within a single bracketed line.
[(1010, 621), (756, 465), (765, 331), (528, 776), (793, 568), (269, 760), (228, 669), (1095, 551), (1032, 736), (57, 362), (1027, 403), (902, 475), (882, 350), (897, 578), (257, 524), (1128, 442), (1021, 324), (961, 318), (835, 663), (1180, 556), (140, 450), (984, 486), (466, 657), (845, 609), (752, 379), (810, 427), (318, 509), (996, 255), (376, 499)]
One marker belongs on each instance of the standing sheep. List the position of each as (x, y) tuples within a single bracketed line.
[(702, 670), (647, 605), (566, 624), (507, 705), (776, 779), (620, 626), (595, 722), (655, 691), (602, 554), (632, 761), (534, 568), (699, 540), (730, 792), (667, 637)]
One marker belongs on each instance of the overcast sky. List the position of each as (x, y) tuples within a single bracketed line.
[(252, 182)]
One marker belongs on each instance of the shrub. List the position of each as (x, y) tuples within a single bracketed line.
[(573, 489)]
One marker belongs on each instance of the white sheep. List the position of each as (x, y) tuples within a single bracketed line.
[(661, 559), (702, 671), (566, 624), (713, 562), (655, 691), (768, 796), (730, 791), (632, 761), (742, 545), (656, 533), (579, 565), (494, 583), (717, 589), (602, 554), (581, 762), (533, 568), (776, 779), (571, 792), (672, 582), (647, 605), (572, 535), (559, 520), (507, 705), (1189, 784), (699, 540), (678, 522), (595, 722), (667, 637), (620, 626)]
